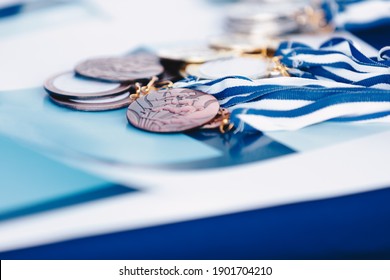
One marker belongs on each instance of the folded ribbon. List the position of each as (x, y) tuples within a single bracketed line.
[(356, 14), (337, 59)]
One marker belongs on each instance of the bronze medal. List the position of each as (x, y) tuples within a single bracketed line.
[(120, 69), (172, 110)]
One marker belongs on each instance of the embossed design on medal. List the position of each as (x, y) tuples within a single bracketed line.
[(172, 110), (120, 69)]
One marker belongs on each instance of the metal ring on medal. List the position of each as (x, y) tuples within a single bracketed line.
[(172, 110), (68, 85), (120, 69)]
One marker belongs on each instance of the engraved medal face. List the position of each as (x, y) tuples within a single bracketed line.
[(120, 69), (172, 110)]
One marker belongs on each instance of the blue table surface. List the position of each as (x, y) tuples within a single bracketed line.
[(349, 227)]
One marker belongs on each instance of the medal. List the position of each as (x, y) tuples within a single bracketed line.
[(68, 85), (174, 59), (89, 89), (263, 19), (244, 44), (250, 67), (92, 105), (172, 110), (192, 54), (78, 93), (120, 69)]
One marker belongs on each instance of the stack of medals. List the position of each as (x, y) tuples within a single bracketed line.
[(255, 25), (137, 81), (253, 31), (102, 84), (273, 18), (263, 19), (132, 81)]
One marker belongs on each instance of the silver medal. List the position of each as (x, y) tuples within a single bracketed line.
[(68, 85), (253, 68)]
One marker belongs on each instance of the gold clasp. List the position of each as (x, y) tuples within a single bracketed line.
[(138, 90), (225, 125), (151, 85), (145, 89), (280, 67), (164, 84)]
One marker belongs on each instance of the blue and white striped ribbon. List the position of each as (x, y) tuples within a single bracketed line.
[(337, 59), (289, 103), (356, 14)]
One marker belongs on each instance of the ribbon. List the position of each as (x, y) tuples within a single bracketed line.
[(337, 59), (336, 82), (290, 103), (356, 14)]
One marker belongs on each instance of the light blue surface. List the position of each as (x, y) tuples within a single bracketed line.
[(326, 134), (107, 136), (46, 17), (28, 178)]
